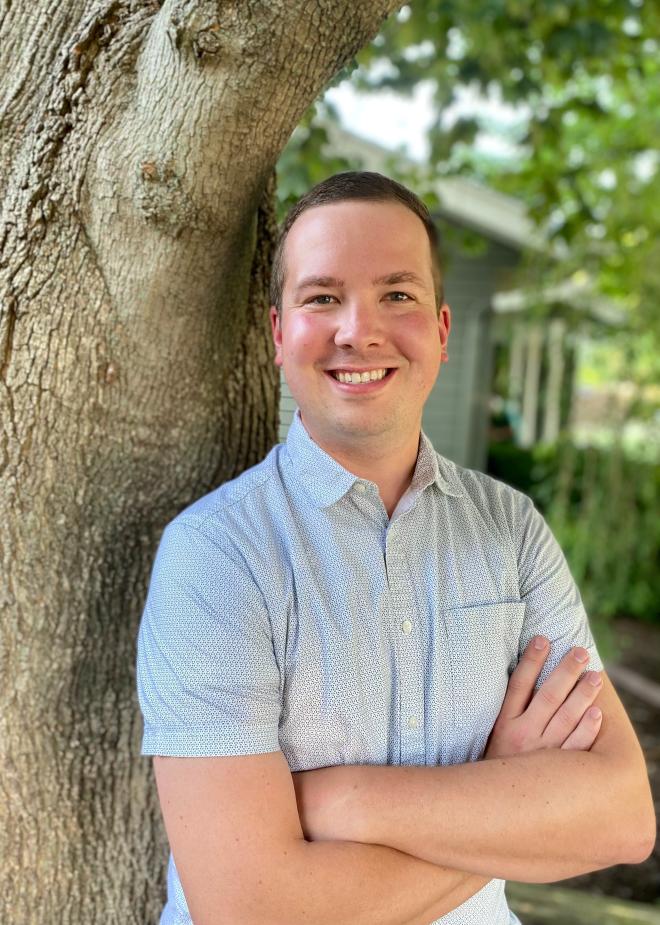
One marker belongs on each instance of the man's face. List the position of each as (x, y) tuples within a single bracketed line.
[(358, 297)]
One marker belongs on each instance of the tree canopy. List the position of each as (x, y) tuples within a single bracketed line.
[(584, 78)]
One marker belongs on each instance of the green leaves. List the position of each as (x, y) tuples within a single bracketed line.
[(584, 152)]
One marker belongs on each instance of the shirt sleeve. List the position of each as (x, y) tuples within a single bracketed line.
[(553, 606), (208, 681)]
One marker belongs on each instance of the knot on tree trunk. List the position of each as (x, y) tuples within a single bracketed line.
[(205, 29), (207, 41), (162, 201)]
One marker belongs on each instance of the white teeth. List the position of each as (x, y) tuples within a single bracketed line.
[(355, 378)]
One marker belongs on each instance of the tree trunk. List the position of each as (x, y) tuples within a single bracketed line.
[(137, 148)]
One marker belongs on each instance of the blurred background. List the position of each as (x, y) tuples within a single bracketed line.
[(532, 132)]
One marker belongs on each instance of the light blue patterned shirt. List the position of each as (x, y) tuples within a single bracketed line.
[(287, 611)]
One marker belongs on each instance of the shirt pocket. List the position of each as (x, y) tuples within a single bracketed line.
[(483, 646)]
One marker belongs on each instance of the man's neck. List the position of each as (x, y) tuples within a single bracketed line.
[(389, 464)]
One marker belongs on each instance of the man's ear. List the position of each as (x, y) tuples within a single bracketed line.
[(276, 329), (444, 327)]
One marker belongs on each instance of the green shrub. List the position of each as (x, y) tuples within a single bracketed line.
[(602, 506)]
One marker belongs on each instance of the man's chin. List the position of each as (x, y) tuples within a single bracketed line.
[(358, 427)]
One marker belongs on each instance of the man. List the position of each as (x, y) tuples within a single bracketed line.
[(333, 639)]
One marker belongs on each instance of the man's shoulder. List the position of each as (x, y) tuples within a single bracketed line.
[(473, 481), (243, 497), (485, 494)]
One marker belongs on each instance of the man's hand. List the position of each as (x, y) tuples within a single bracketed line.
[(558, 715)]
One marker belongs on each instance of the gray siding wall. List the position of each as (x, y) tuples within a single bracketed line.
[(456, 415), (287, 408)]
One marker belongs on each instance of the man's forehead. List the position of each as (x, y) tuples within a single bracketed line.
[(309, 280), (352, 229), (363, 210)]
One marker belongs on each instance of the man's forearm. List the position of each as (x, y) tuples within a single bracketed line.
[(345, 883), (541, 816)]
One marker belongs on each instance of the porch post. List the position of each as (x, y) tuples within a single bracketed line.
[(531, 391), (554, 383)]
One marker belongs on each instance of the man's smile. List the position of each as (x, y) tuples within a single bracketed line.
[(360, 380)]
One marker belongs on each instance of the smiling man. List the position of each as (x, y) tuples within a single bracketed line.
[(363, 333), (334, 641)]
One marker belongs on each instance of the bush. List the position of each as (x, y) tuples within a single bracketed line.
[(602, 506)]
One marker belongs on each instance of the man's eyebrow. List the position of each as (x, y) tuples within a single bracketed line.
[(323, 282), (404, 276)]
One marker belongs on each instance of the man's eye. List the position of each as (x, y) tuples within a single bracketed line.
[(323, 299), (399, 297)]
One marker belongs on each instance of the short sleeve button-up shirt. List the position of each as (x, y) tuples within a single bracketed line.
[(287, 611)]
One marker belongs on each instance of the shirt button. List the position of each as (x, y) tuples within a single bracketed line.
[(361, 487), (413, 722), (406, 626)]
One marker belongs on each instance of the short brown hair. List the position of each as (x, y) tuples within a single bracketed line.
[(343, 187)]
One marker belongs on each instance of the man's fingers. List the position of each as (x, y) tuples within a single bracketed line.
[(523, 678), (585, 735), (570, 713), (556, 688)]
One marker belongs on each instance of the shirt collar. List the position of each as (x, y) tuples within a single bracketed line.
[(326, 481), (432, 468)]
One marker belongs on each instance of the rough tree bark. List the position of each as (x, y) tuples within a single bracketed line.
[(137, 146)]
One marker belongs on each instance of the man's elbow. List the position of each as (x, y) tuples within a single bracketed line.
[(633, 835), (640, 846), (630, 842), (628, 848)]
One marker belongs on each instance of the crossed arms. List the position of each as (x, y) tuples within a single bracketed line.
[(561, 792)]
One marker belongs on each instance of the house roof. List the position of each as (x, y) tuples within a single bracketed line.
[(493, 214), (578, 293), (473, 205)]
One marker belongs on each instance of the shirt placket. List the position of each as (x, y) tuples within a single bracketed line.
[(406, 630)]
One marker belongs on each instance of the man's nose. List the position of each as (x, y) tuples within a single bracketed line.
[(360, 325)]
